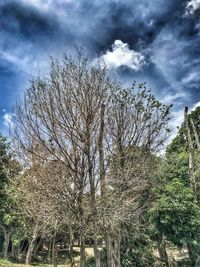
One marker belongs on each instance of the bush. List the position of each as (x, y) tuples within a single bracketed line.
[(90, 262), (136, 250)]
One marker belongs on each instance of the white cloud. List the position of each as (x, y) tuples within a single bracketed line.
[(8, 119), (40, 4), (47, 5), (170, 99), (122, 55), (14, 59), (177, 118), (192, 78), (195, 106), (192, 6), (25, 62)]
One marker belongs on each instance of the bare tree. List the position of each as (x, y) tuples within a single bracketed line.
[(37, 210), (87, 127)]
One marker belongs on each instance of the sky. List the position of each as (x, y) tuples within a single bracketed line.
[(157, 41)]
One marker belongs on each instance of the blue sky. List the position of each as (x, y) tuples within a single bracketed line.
[(157, 41)]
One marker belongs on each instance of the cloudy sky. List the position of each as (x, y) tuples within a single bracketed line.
[(157, 41)]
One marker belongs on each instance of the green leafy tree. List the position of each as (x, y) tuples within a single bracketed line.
[(176, 215), (136, 247), (8, 169)]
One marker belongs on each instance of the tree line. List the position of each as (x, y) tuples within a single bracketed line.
[(83, 167)]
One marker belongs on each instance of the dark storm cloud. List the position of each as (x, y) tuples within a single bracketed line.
[(26, 22), (160, 30), (129, 21), (94, 24)]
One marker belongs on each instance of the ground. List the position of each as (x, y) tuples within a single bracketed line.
[(172, 252), (6, 263)]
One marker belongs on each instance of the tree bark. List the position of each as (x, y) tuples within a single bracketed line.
[(162, 251), (17, 252), (36, 248), (6, 244), (109, 251), (54, 247), (116, 251), (193, 255), (71, 245), (7, 235), (31, 247), (82, 252), (113, 252), (97, 253), (49, 251), (101, 152), (195, 134), (190, 150), (13, 251)]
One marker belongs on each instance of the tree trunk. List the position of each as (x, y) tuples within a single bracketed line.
[(109, 252), (13, 251), (193, 255), (6, 244), (30, 251), (162, 251), (82, 252), (37, 246), (97, 253), (31, 247), (49, 251), (101, 152), (54, 250), (116, 255), (71, 245), (195, 134), (18, 251), (190, 150), (113, 252)]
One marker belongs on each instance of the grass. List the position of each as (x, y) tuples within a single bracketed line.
[(7, 263)]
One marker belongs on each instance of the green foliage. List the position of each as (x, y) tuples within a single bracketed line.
[(176, 211), (4, 160), (176, 161), (176, 215), (8, 169), (136, 249), (90, 262), (177, 166), (178, 144)]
